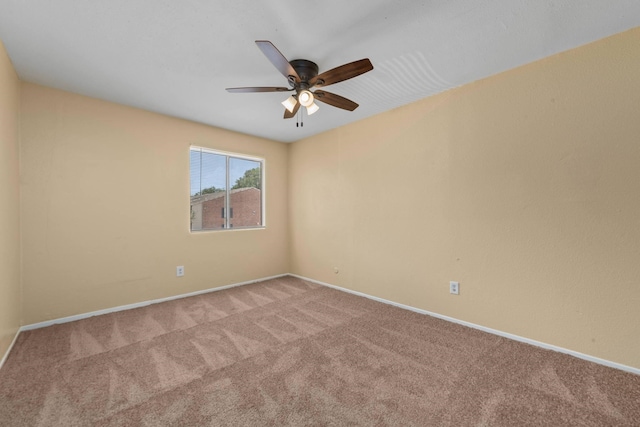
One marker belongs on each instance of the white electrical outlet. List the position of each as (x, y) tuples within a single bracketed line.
[(180, 271), (454, 288)]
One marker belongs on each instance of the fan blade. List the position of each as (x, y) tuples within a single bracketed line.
[(277, 59), (335, 100), (288, 115), (341, 73), (257, 89)]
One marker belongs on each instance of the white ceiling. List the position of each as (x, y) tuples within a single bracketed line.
[(177, 57)]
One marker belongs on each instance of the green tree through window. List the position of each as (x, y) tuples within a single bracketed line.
[(209, 190), (250, 179)]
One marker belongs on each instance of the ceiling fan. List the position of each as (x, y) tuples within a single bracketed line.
[(302, 75)]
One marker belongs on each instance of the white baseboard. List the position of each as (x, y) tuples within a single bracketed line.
[(6, 353), (485, 329), (138, 304)]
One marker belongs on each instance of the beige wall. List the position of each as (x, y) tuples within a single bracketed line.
[(10, 297), (105, 207), (525, 187)]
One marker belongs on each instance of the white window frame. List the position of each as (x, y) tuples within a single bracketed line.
[(263, 197)]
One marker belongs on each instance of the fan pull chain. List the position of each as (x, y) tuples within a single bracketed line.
[(299, 122)]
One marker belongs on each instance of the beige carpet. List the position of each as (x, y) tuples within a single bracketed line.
[(286, 352)]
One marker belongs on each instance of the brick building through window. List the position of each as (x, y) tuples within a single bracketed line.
[(245, 210)]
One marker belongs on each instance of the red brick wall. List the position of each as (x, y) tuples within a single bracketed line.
[(246, 207)]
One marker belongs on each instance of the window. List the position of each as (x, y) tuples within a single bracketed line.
[(226, 190)]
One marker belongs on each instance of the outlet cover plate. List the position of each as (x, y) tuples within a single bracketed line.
[(454, 288)]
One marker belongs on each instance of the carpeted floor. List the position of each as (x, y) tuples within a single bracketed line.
[(286, 352)]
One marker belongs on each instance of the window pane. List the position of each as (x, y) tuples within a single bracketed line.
[(208, 190), (225, 190), (245, 197)]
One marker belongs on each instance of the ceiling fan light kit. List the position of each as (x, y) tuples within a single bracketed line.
[(305, 97), (290, 103), (312, 108), (302, 75)]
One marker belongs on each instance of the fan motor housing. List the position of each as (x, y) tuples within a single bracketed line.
[(306, 70)]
